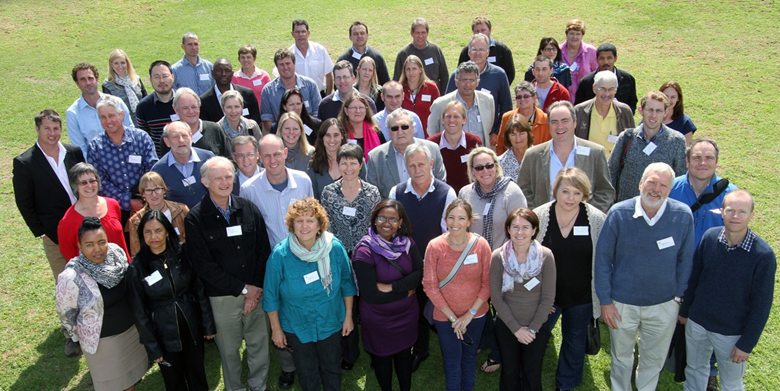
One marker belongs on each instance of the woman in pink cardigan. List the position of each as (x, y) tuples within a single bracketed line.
[(461, 301), (578, 55)]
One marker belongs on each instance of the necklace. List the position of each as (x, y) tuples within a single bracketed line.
[(570, 221), (452, 242)]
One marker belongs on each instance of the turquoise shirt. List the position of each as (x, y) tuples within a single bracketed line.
[(307, 310)]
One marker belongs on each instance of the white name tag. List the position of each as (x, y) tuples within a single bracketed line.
[(175, 117), (245, 112), (306, 103), (357, 55), (311, 277), (574, 66), (307, 130), (234, 231), (487, 209), (349, 211), (581, 231), (612, 138), (649, 148), (464, 158), (425, 98), (584, 151), (153, 278), (257, 82), (471, 259), (134, 159), (188, 181), (429, 61), (204, 77), (177, 230), (196, 137), (665, 243), (531, 284), (492, 59), (479, 119), (352, 141), (485, 90)]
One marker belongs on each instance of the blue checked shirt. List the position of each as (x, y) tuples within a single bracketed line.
[(121, 166), (198, 77)]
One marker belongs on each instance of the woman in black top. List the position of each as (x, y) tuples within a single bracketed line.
[(570, 228), (172, 312)]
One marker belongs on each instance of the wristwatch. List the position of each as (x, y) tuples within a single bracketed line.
[(472, 311), (678, 299), (532, 331), (244, 291)]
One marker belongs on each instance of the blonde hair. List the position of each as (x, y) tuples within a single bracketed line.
[(119, 53), (480, 150), (373, 84), (573, 176), (415, 60), (303, 143)]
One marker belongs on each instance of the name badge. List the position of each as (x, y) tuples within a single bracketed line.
[(177, 230), (492, 59), (306, 103), (487, 209), (471, 259), (352, 141), (311, 277), (429, 61), (485, 90), (425, 98), (134, 159), (349, 211), (584, 151), (665, 243), (356, 55), (175, 117), (204, 77), (531, 284), (245, 112), (716, 211), (574, 66), (612, 138), (581, 231), (649, 148), (196, 137), (464, 158), (234, 231), (307, 130), (153, 278), (188, 181), (257, 82), (479, 119)]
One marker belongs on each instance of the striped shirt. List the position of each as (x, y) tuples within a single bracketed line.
[(272, 203), (152, 115)]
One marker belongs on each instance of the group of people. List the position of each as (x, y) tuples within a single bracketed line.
[(229, 206)]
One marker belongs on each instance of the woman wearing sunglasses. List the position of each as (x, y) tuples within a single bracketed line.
[(455, 278), (153, 190)]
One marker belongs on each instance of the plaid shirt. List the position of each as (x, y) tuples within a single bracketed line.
[(746, 243)]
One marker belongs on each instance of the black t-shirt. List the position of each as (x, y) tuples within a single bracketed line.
[(117, 316), (573, 260)]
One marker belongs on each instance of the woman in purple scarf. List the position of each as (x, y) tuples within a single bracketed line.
[(389, 269)]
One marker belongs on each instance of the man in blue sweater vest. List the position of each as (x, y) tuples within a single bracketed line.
[(643, 261), (729, 296), (180, 167)]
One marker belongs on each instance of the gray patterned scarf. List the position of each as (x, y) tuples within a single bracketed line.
[(109, 273), (132, 90), (487, 225)]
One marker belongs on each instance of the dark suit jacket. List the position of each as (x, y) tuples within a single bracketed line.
[(40, 197), (211, 109), (626, 91)]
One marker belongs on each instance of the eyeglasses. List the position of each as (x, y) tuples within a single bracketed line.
[(383, 219), (88, 182), (550, 49), (521, 97), (241, 156), (403, 127), (602, 89), (488, 166), (357, 108), (478, 50), (156, 190)]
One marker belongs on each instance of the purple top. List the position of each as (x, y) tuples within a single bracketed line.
[(389, 320), (586, 63)]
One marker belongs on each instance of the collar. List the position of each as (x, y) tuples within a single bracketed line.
[(410, 188), (492, 42), (415, 46), (639, 211), (573, 150), (337, 98), (461, 100), (266, 185), (746, 243), (487, 67), (61, 154), (194, 158), (156, 98), (280, 84), (219, 94), (241, 175), (126, 137), (82, 103), (641, 133), (362, 54), (443, 143), (185, 60), (245, 76)]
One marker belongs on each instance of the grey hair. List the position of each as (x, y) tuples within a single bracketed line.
[(231, 94), (525, 86), (414, 148), (479, 36), (241, 140), (204, 169), (658, 167), (605, 76), (181, 92), (468, 67), (188, 34), (78, 170), (166, 128), (396, 114), (109, 100)]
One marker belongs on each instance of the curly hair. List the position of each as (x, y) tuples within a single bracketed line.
[(304, 207)]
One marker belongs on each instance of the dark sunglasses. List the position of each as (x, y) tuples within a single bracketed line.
[(395, 128), (486, 166)]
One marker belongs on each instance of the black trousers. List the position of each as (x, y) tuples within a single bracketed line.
[(350, 345), (187, 371), (383, 369), (521, 365)]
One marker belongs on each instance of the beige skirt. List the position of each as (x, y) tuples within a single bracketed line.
[(119, 362)]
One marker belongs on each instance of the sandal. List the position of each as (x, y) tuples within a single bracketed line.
[(490, 366)]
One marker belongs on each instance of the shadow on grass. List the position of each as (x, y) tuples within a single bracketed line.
[(52, 370)]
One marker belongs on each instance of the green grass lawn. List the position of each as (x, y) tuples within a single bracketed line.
[(724, 53)]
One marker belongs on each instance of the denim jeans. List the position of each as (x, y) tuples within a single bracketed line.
[(318, 363), (574, 328), (460, 361)]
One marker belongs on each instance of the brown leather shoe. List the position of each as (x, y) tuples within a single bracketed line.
[(712, 384), (71, 349)]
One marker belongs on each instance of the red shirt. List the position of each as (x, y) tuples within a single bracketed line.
[(422, 102)]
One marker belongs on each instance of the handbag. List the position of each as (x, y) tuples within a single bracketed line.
[(593, 338), (428, 310)]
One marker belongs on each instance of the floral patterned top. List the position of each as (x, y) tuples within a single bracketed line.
[(349, 221), (509, 163)]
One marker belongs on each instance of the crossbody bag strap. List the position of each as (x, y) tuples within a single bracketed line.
[(397, 266), (705, 198), (458, 264)]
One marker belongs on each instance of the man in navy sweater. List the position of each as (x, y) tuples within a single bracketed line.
[(729, 296), (643, 262)]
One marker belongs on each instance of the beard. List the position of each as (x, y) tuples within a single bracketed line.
[(651, 203)]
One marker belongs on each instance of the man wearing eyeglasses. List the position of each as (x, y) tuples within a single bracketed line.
[(246, 153), (180, 167), (606, 55), (330, 106), (386, 166), (155, 110), (603, 125), (542, 162)]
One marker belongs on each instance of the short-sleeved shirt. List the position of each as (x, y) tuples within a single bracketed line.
[(315, 65)]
